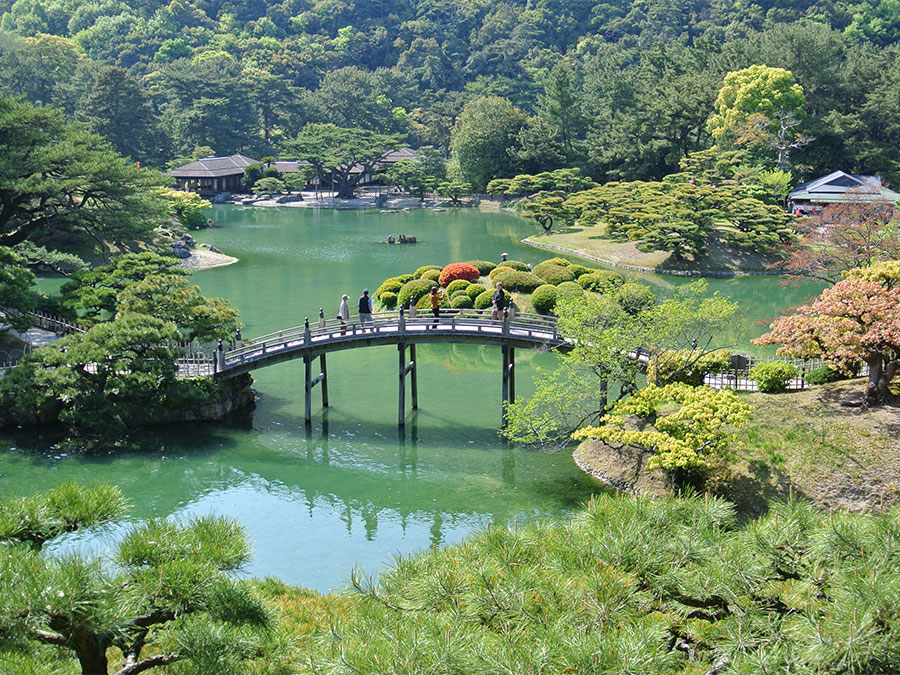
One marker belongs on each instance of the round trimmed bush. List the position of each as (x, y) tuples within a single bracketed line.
[(483, 301), (562, 262), (500, 268), (457, 292), (634, 297), (388, 299), (523, 282), (484, 267), (391, 285), (600, 281), (462, 301), (414, 290), (553, 274), (475, 290), (516, 265), (425, 268), (823, 374), (579, 270), (569, 289), (403, 278), (457, 285), (544, 298), (773, 376), (432, 275), (455, 271)]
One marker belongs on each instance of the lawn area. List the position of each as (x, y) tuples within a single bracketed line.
[(590, 242)]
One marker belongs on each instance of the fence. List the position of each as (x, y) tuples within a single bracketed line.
[(738, 376)]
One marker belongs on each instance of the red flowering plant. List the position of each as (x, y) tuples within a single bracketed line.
[(455, 271)]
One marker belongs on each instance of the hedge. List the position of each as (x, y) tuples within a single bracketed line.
[(579, 270), (484, 267), (457, 293), (600, 281), (516, 265), (544, 298), (475, 290), (553, 274), (455, 271), (390, 285), (457, 285), (389, 299), (462, 301), (523, 282), (425, 268), (823, 374), (414, 289), (432, 275), (562, 262), (773, 376), (500, 269), (569, 289)]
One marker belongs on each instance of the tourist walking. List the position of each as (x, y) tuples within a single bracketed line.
[(365, 309), (498, 303), (344, 313), (436, 295)]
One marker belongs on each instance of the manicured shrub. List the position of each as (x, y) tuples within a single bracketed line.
[(773, 376), (458, 284), (523, 282), (433, 275), (579, 270), (516, 265), (388, 299), (483, 301), (403, 278), (462, 301), (544, 298), (475, 290), (484, 267), (562, 262), (455, 271), (390, 285), (684, 365), (634, 297), (414, 289), (500, 269), (553, 274), (425, 268), (569, 289), (823, 374), (600, 281)]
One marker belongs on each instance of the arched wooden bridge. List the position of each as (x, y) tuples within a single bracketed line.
[(465, 326)]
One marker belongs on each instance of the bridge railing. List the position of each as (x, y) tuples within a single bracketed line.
[(534, 326)]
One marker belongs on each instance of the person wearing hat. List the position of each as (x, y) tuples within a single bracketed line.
[(344, 313), (435, 296), (365, 308), (498, 302)]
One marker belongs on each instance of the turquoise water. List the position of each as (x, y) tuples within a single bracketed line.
[(352, 489)]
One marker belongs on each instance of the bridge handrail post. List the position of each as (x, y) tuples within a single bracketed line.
[(321, 317), (505, 320), (307, 334), (401, 325), (220, 356), (412, 309), (238, 340)]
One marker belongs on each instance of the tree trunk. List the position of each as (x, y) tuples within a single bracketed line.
[(877, 387), (91, 655)]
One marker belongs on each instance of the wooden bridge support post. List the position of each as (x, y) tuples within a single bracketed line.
[(508, 385), (404, 370), (311, 382), (324, 375)]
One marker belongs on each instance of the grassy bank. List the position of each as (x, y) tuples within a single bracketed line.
[(589, 242)]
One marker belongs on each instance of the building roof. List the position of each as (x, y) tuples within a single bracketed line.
[(214, 167), (843, 187)]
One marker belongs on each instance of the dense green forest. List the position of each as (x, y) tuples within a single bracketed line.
[(621, 89)]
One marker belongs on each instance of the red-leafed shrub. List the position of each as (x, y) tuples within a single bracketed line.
[(455, 271)]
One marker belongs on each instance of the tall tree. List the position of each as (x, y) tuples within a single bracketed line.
[(55, 178), (342, 157), (482, 138)]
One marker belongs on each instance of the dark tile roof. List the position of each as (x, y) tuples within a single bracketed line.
[(839, 186), (214, 167)]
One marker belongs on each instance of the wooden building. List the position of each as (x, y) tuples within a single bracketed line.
[(212, 175), (838, 187)]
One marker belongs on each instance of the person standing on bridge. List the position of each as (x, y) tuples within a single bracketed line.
[(365, 309), (436, 295), (344, 313), (498, 303)]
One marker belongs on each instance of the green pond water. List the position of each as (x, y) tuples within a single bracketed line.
[(352, 490)]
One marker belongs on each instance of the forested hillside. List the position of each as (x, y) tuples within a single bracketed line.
[(622, 89)]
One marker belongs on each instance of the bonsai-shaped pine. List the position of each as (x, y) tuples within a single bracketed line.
[(545, 208), (167, 592)]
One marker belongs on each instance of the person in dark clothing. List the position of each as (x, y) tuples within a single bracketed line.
[(365, 309), (498, 303)]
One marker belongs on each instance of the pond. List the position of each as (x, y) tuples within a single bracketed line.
[(352, 489)]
